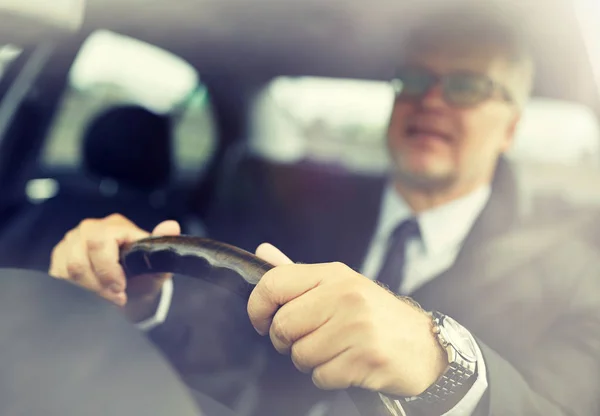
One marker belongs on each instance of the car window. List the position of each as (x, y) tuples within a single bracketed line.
[(111, 70), (8, 54), (333, 121), (588, 15), (343, 122)]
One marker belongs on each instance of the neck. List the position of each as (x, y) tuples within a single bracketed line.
[(420, 200)]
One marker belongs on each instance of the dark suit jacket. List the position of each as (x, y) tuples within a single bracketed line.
[(527, 286)]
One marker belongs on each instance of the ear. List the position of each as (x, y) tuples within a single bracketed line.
[(511, 131)]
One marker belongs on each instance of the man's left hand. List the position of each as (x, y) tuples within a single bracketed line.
[(344, 328)]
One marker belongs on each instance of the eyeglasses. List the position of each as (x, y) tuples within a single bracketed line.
[(462, 89)]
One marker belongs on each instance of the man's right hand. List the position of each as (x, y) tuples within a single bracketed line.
[(88, 256)]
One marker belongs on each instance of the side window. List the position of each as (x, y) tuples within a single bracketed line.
[(324, 120), (342, 122), (558, 131), (113, 70)]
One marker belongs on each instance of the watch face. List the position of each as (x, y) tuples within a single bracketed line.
[(460, 338)]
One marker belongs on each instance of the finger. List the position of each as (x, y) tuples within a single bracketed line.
[(70, 262), (300, 317), (103, 243), (317, 348), (273, 255), (57, 268), (277, 287), (103, 256), (341, 372), (167, 228), (76, 264), (79, 269), (60, 255), (285, 283)]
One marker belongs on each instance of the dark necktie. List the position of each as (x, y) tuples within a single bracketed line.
[(392, 270)]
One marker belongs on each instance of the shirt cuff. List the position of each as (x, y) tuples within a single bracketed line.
[(162, 310), (468, 404)]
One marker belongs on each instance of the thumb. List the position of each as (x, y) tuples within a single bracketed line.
[(169, 227), (273, 255)]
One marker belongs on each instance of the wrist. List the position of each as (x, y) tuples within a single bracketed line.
[(437, 358), (458, 375), (141, 308), (434, 363), (434, 356)]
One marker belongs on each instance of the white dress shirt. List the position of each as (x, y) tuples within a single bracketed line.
[(164, 304), (443, 231)]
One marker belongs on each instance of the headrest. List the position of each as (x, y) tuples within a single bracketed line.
[(558, 132), (66, 352), (130, 145)]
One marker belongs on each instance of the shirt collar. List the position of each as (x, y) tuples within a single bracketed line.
[(440, 227)]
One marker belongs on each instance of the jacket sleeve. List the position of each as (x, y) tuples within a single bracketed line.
[(560, 373)]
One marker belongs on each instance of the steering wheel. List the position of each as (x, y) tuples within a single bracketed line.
[(223, 265)]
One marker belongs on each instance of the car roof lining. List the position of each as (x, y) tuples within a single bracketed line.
[(263, 39)]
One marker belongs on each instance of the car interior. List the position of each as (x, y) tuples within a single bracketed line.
[(227, 115)]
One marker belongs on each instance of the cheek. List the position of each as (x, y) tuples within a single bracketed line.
[(484, 132)]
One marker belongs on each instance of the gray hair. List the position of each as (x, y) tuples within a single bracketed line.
[(481, 23)]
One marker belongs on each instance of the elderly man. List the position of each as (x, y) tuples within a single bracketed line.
[(513, 326)]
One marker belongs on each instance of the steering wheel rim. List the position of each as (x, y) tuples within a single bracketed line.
[(223, 265)]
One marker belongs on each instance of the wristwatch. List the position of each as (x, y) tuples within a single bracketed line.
[(456, 381)]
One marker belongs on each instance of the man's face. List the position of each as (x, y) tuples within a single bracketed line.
[(434, 143)]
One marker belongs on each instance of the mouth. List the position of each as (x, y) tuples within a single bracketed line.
[(427, 133)]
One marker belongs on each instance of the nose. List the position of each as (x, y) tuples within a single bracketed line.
[(433, 98)]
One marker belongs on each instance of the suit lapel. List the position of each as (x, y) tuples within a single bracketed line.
[(489, 263), (504, 254), (498, 218)]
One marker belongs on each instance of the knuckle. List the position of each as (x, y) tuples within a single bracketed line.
[(96, 242), (343, 275), (374, 358), (94, 224), (300, 357), (70, 235), (88, 223), (116, 217), (268, 283), (103, 272), (364, 327), (75, 269), (339, 267), (319, 378), (353, 298), (323, 378), (279, 329)]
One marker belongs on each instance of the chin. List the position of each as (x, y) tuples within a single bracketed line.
[(425, 177), (426, 165)]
